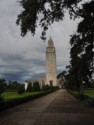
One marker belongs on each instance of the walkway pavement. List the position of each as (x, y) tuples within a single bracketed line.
[(58, 108)]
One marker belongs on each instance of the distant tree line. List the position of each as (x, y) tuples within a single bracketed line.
[(15, 86), (10, 86)]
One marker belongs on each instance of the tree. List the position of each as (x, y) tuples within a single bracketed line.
[(2, 86), (9, 85), (81, 67), (36, 86), (72, 79), (61, 74), (92, 83), (28, 19), (29, 87), (21, 89), (13, 86), (82, 42)]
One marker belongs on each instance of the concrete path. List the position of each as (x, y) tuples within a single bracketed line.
[(58, 108)]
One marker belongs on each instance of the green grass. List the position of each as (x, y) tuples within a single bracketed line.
[(73, 92), (14, 95), (89, 92)]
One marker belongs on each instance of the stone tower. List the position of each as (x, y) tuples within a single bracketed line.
[(51, 78)]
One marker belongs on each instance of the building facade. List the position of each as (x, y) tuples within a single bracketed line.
[(51, 76)]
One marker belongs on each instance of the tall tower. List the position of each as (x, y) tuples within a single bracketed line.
[(51, 78)]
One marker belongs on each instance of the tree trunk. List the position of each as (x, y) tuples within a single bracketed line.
[(81, 89)]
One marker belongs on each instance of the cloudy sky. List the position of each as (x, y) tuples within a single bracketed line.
[(23, 58)]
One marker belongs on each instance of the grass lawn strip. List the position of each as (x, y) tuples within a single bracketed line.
[(89, 92), (15, 95)]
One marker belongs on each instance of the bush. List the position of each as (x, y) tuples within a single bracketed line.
[(54, 88), (90, 101), (21, 89), (74, 93), (29, 87), (36, 87), (81, 97), (45, 88)]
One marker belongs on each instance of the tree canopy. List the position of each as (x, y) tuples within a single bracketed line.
[(49, 11)]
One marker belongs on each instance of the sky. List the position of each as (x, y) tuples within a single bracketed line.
[(23, 58)]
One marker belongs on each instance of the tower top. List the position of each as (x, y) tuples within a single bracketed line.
[(50, 42)]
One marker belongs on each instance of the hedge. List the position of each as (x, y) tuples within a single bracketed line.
[(11, 103), (87, 99)]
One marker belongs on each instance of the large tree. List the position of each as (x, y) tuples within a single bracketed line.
[(82, 47)]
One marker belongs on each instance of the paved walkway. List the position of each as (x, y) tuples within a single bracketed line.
[(58, 108)]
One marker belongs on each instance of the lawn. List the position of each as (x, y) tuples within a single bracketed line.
[(14, 95), (89, 92)]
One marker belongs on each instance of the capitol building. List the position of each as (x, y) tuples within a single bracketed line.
[(51, 76)]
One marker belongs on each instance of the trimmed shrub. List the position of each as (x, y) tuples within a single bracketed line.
[(21, 89), (29, 87), (36, 86), (54, 88), (45, 88)]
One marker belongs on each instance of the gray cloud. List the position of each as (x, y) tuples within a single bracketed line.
[(24, 58)]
